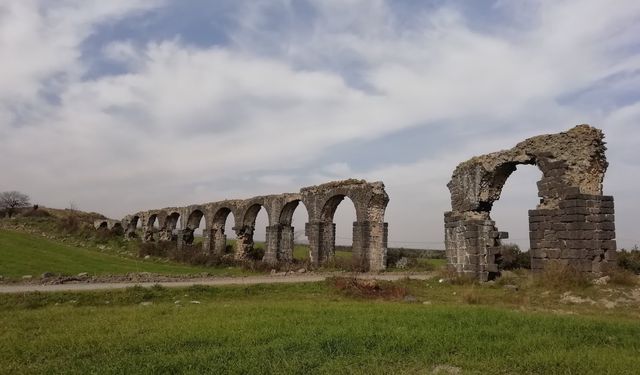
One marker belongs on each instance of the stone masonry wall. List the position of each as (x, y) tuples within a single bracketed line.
[(321, 201), (581, 233), (572, 226)]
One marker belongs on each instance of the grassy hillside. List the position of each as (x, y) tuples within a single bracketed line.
[(311, 329), (27, 254)]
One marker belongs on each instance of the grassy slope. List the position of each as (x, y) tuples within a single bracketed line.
[(304, 328), (25, 254)]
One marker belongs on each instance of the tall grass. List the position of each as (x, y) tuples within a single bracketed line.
[(293, 329)]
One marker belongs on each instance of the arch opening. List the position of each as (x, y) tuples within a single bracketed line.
[(246, 235), (294, 244), (117, 229), (510, 212), (340, 224), (172, 227), (222, 234), (133, 227), (152, 228), (193, 223)]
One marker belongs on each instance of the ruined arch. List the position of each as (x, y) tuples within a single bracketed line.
[(186, 235), (117, 228), (215, 237), (572, 225), (131, 224), (369, 199), (287, 229), (286, 214), (194, 218), (153, 218), (245, 246), (369, 230)]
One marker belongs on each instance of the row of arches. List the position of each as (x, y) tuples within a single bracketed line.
[(320, 203)]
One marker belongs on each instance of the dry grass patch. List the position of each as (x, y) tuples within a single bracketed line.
[(370, 289)]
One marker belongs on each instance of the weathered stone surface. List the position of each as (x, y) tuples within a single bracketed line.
[(573, 224), (321, 201), (571, 162)]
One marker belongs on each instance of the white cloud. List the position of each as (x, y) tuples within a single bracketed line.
[(277, 98)]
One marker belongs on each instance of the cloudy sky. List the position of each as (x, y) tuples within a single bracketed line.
[(125, 105)]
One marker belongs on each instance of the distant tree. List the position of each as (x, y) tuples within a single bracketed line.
[(10, 201)]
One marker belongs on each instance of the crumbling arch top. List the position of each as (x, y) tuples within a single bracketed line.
[(571, 162)]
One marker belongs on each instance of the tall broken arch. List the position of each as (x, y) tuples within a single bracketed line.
[(573, 225)]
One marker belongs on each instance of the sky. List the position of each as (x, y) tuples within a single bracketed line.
[(127, 105)]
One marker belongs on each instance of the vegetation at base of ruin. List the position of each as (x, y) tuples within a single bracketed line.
[(512, 258), (630, 260), (26, 254), (73, 228), (324, 328)]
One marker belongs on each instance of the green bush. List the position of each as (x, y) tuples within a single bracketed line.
[(629, 260), (511, 257)]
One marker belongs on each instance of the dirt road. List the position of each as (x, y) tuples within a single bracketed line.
[(213, 281)]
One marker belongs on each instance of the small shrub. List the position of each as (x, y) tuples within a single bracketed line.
[(364, 288), (511, 257), (229, 249), (629, 260), (255, 253)]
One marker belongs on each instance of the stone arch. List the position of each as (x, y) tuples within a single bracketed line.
[(573, 165), (220, 216), (168, 228), (369, 200), (194, 218), (117, 228), (286, 213), (152, 220), (215, 238), (369, 230), (172, 220), (250, 214), (245, 246), (131, 224)]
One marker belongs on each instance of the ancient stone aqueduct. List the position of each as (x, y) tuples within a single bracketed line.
[(369, 230), (573, 225)]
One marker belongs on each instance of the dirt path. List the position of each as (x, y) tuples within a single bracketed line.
[(213, 281)]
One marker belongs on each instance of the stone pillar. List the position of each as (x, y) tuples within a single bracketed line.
[(165, 234), (244, 242), (180, 239), (147, 234), (286, 246), (472, 245), (370, 245), (359, 246), (322, 241), (272, 244), (580, 234), (377, 247), (207, 240), (130, 233), (219, 241)]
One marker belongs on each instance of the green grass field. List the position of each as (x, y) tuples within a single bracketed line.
[(303, 328), (26, 254)]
